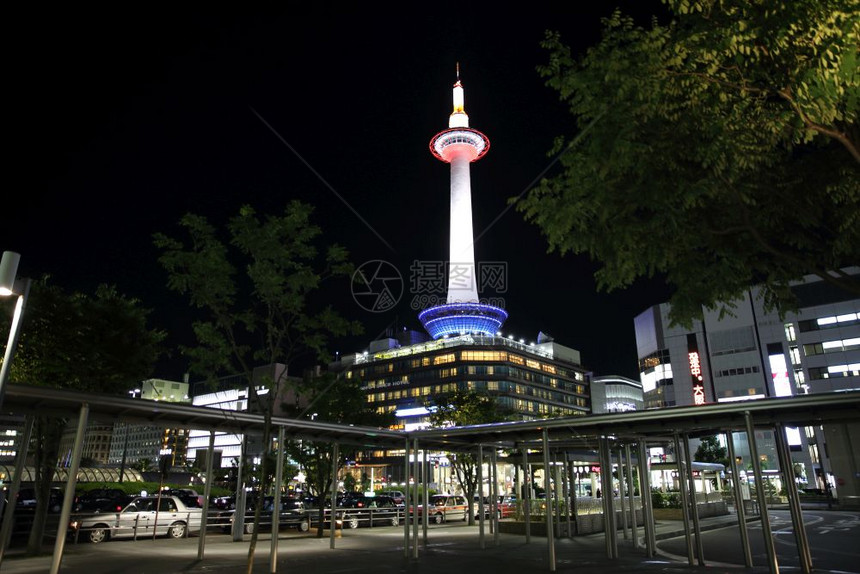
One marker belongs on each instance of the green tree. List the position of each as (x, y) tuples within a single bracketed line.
[(257, 285), (717, 151), (461, 408), (710, 450), (329, 398), (96, 343)]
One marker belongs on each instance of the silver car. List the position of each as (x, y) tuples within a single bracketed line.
[(139, 519)]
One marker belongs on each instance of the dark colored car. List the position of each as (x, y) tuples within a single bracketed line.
[(101, 500), (186, 495), (361, 510), (292, 515), (27, 500)]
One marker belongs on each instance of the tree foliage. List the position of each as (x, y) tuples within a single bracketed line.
[(257, 285), (717, 151), (98, 343), (710, 450), (461, 408)]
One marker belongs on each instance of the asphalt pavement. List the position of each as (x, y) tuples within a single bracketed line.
[(450, 548)]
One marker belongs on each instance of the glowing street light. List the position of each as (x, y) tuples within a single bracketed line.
[(9, 286)]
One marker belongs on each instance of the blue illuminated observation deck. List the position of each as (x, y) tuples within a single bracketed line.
[(452, 319)]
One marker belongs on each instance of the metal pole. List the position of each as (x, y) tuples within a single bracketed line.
[(527, 496), (621, 493), (567, 505), (415, 483), (407, 501), (645, 491), (793, 500), (14, 333), (335, 455), (276, 507), (607, 523), (20, 459), (773, 565), (210, 455), (694, 507), (739, 502), (425, 517), (494, 492), (610, 501), (556, 494), (550, 540), (69, 495), (682, 483), (480, 468), (632, 494)]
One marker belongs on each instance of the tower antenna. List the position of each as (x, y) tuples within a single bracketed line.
[(458, 70)]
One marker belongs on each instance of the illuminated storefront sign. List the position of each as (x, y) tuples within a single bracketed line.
[(695, 370)]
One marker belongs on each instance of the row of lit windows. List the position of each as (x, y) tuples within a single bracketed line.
[(828, 322), (494, 386), (740, 392), (656, 358), (500, 370), (737, 371), (834, 371), (832, 346), (470, 356)]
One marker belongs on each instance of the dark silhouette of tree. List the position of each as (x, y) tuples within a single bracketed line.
[(96, 343), (256, 285)]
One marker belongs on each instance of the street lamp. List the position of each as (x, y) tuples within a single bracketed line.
[(8, 286)]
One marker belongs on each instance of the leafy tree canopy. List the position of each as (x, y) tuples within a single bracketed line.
[(257, 285), (96, 343), (710, 450), (718, 151)]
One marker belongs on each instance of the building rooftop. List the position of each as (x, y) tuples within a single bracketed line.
[(547, 350)]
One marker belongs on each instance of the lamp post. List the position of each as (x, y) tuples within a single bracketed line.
[(8, 286)]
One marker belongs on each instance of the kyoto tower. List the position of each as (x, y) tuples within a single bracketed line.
[(462, 312)]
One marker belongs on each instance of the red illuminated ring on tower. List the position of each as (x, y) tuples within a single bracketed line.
[(467, 136)]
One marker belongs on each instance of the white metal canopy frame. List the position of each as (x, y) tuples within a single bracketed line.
[(611, 434)]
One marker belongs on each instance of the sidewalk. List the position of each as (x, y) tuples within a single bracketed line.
[(377, 550)]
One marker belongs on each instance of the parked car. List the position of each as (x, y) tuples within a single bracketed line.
[(189, 496), (398, 495), (446, 507), (102, 500), (371, 510), (27, 499), (139, 519), (476, 507), (292, 515), (507, 506)]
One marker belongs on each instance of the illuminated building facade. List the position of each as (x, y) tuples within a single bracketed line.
[(231, 394), (130, 443), (532, 380), (756, 354), (615, 394)]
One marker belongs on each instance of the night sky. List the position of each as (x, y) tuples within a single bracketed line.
[(123, 121)]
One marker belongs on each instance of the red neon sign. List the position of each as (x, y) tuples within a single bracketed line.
[(696, 372)]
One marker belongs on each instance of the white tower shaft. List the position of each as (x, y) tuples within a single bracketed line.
[(462, 283)]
